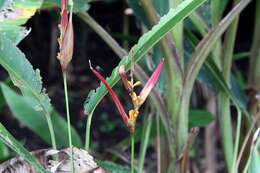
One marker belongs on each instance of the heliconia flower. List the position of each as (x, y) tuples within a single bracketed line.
[(130, 119), (66, 40)]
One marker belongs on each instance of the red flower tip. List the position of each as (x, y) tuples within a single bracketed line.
[(150, 83), (113, 95)]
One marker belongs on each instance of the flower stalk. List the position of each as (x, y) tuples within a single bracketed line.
[(66, 43)]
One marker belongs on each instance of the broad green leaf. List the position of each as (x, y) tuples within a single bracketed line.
[(11, 142), (22, 73), (112, 167), (145, 43), (17, 12), (14, 13), (14, 33), (4, 152), (199, 118), (22, 109), (79, 5)]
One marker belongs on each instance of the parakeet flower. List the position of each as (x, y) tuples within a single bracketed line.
[(137, 100)]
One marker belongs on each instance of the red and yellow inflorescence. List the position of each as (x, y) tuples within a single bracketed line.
[(137, 100)]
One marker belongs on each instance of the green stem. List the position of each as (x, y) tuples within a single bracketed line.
[(224, 100), (68, 119), (215, 13), (239, 117), (144, 143), (132, 153), (88, 126), (226, 128), (177, 33), (50, 126)]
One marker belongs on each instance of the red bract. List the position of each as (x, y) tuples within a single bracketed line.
[(113, 95), (150, 83), (66, 40)]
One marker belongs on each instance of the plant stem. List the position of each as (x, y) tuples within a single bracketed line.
[(132, 153), (87, 137), (224, 100), (215, 18), (177, 33), (50, 126), (144, 143), (239, 117), (68, 119)]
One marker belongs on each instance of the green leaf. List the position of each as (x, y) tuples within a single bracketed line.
[(22, 74), (17, 12), (78, 6), (112, 167), (145, 43), (4, 152), (212, 76), (199, 118), (217, 81), (22, 109), (14, 33), (205, 46), (10, 141)]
